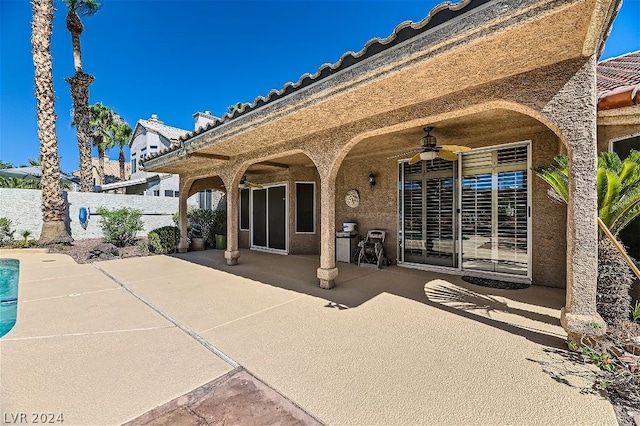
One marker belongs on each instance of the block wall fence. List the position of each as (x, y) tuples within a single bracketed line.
[(23, 208)]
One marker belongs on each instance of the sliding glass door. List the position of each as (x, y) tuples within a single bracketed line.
[(472, 214), (269, 218), (428, 201), (494, 211)]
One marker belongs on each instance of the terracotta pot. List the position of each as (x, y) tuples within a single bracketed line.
[(197, 244)]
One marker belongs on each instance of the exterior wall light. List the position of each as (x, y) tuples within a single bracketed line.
[(372, 180)]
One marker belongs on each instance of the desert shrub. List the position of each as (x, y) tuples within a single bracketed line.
[(613, 300), (153, 243), (25, 242), (6, 234), (143, 246), (120, 226), (169, 237)]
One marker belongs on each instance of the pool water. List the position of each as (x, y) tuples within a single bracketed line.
[(9, 275)]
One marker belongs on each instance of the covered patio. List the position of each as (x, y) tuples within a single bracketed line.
[(489, 75)]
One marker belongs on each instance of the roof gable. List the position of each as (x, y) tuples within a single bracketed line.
[(173, 134)]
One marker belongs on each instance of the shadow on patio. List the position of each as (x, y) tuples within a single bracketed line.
[(532, 313)]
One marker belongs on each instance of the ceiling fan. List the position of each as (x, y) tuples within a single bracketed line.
[(244, 183), (430, 149)]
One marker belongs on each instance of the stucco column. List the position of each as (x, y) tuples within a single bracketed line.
[(232, 254), (183, 245), (573, 111), (327, 272)]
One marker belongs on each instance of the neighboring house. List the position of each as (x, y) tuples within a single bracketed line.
[(111, 171), (513, 80), (149, 137)]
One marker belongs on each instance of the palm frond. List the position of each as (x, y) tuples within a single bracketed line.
[(617, 186), (87, 7)]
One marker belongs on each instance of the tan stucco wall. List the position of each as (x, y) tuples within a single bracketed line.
[(548, 219), (378, 206)]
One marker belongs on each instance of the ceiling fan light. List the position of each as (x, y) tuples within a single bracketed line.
[(428, 155)]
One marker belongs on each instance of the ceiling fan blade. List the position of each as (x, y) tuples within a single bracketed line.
[(456, 148), (415, 159), (447, 155)]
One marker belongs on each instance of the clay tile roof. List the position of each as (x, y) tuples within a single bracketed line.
[(171, 133), (618, 72)]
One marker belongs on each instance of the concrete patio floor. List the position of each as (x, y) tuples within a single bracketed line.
[(391, 346)]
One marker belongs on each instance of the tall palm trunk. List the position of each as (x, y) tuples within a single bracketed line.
[(80, 94), (74, 25), (101, 155), (53, 206), (122, 162)]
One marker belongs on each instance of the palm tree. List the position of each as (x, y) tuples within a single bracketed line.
[(102, 120), (80, 86), (618, 188), (53, 206), (617, 183), (121, 138)]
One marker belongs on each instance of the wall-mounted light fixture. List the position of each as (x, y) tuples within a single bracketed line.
[(372, 180)]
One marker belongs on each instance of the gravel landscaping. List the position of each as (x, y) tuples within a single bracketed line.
[(81, 250)]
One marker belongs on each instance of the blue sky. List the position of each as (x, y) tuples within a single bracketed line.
[(174, 58)]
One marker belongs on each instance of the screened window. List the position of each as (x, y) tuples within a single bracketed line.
[(134, 166), (244, 209), (205, 199), (305, 207), (168, 193)]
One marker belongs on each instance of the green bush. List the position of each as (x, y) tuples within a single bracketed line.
[(220, 222), (120, 226), (169, 237), (6, 234), (154, 244), (205, 219)]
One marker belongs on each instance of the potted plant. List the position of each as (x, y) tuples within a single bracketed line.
[(197, 240), (220, 229)]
